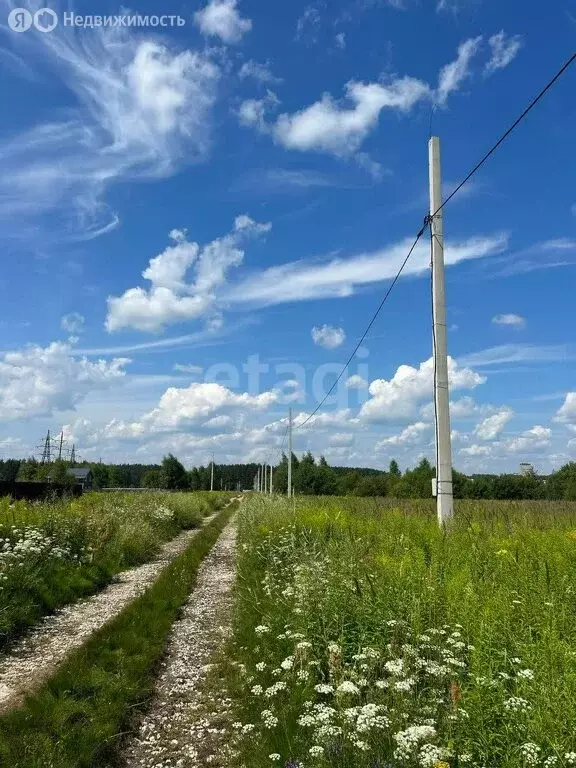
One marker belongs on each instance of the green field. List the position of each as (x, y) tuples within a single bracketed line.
[(365, 636), (53, 553)]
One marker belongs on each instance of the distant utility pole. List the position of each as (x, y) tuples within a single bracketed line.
[(73, 456), (271, 486), (212, 473), (60, 446), (290, 452), (264, 473), (258, 480), (444, 496)]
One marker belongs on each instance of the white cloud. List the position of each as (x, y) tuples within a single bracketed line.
[(341, 40), (328, 336), (503, 50), (257, 71), (461, 409), (341, 439), (143, 111), (339, 127), (220, 18), (328, 126), (199, 402), (308, 23), (398, 398), (252, 112), (491, 426), (301, 280), (511, 320), (517, 353), (476, 450), (72, 323), (455, 6), (567, 413), (414, 434), (453, 74), (195, 370), (356, 382), (37, 381), (170, 299), (529, 441)]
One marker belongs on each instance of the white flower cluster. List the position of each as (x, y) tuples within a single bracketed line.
[(27, 546)]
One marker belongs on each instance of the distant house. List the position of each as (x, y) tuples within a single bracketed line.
[(82, 476)]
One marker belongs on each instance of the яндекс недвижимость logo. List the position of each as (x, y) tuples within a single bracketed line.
[(21, 20)]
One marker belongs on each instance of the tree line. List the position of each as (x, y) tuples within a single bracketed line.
[(309, 477)]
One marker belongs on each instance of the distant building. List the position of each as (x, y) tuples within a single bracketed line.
[(82, 476), (526, 469)]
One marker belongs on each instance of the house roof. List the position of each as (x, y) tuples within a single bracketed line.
[(80, 473)]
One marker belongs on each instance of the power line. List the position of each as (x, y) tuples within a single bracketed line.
[(507, 133), (370, 324), (478, 165)]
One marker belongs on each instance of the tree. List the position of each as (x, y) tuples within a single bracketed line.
[(152, 478), (174, 476), (100, 476), (394, 470), (28, 471), (59, 474)]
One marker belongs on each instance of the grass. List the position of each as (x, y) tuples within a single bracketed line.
[(78, 719), (365, 636), (54, 553)]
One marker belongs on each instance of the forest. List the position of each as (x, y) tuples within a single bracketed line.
[(309, 477)]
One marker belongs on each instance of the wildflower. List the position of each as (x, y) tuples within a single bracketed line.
[(570, 758), (404, 686), (262, 629), (395, 667), (274, 757), (516, 704), (269, 718), (323, 688), (347, 687), (261, 666), (316, 751), (526, 674), (274, 689), (530, 753), (361, 745), (257, 690), (288, 663)]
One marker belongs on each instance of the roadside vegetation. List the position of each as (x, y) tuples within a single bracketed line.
[(79, 718), (54, 553), (366, 637)]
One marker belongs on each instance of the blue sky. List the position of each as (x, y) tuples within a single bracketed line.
[(182, 205)]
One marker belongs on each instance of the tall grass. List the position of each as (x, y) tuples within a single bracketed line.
[(365, 636), (52, 554), (79, 718)]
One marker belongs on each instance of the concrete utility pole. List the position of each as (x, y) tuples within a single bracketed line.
[(271, 486), (290, 452), (444, 497), (258, 480), (212, 473)]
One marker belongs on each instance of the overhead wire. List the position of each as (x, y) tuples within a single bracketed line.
[(428, 218)]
